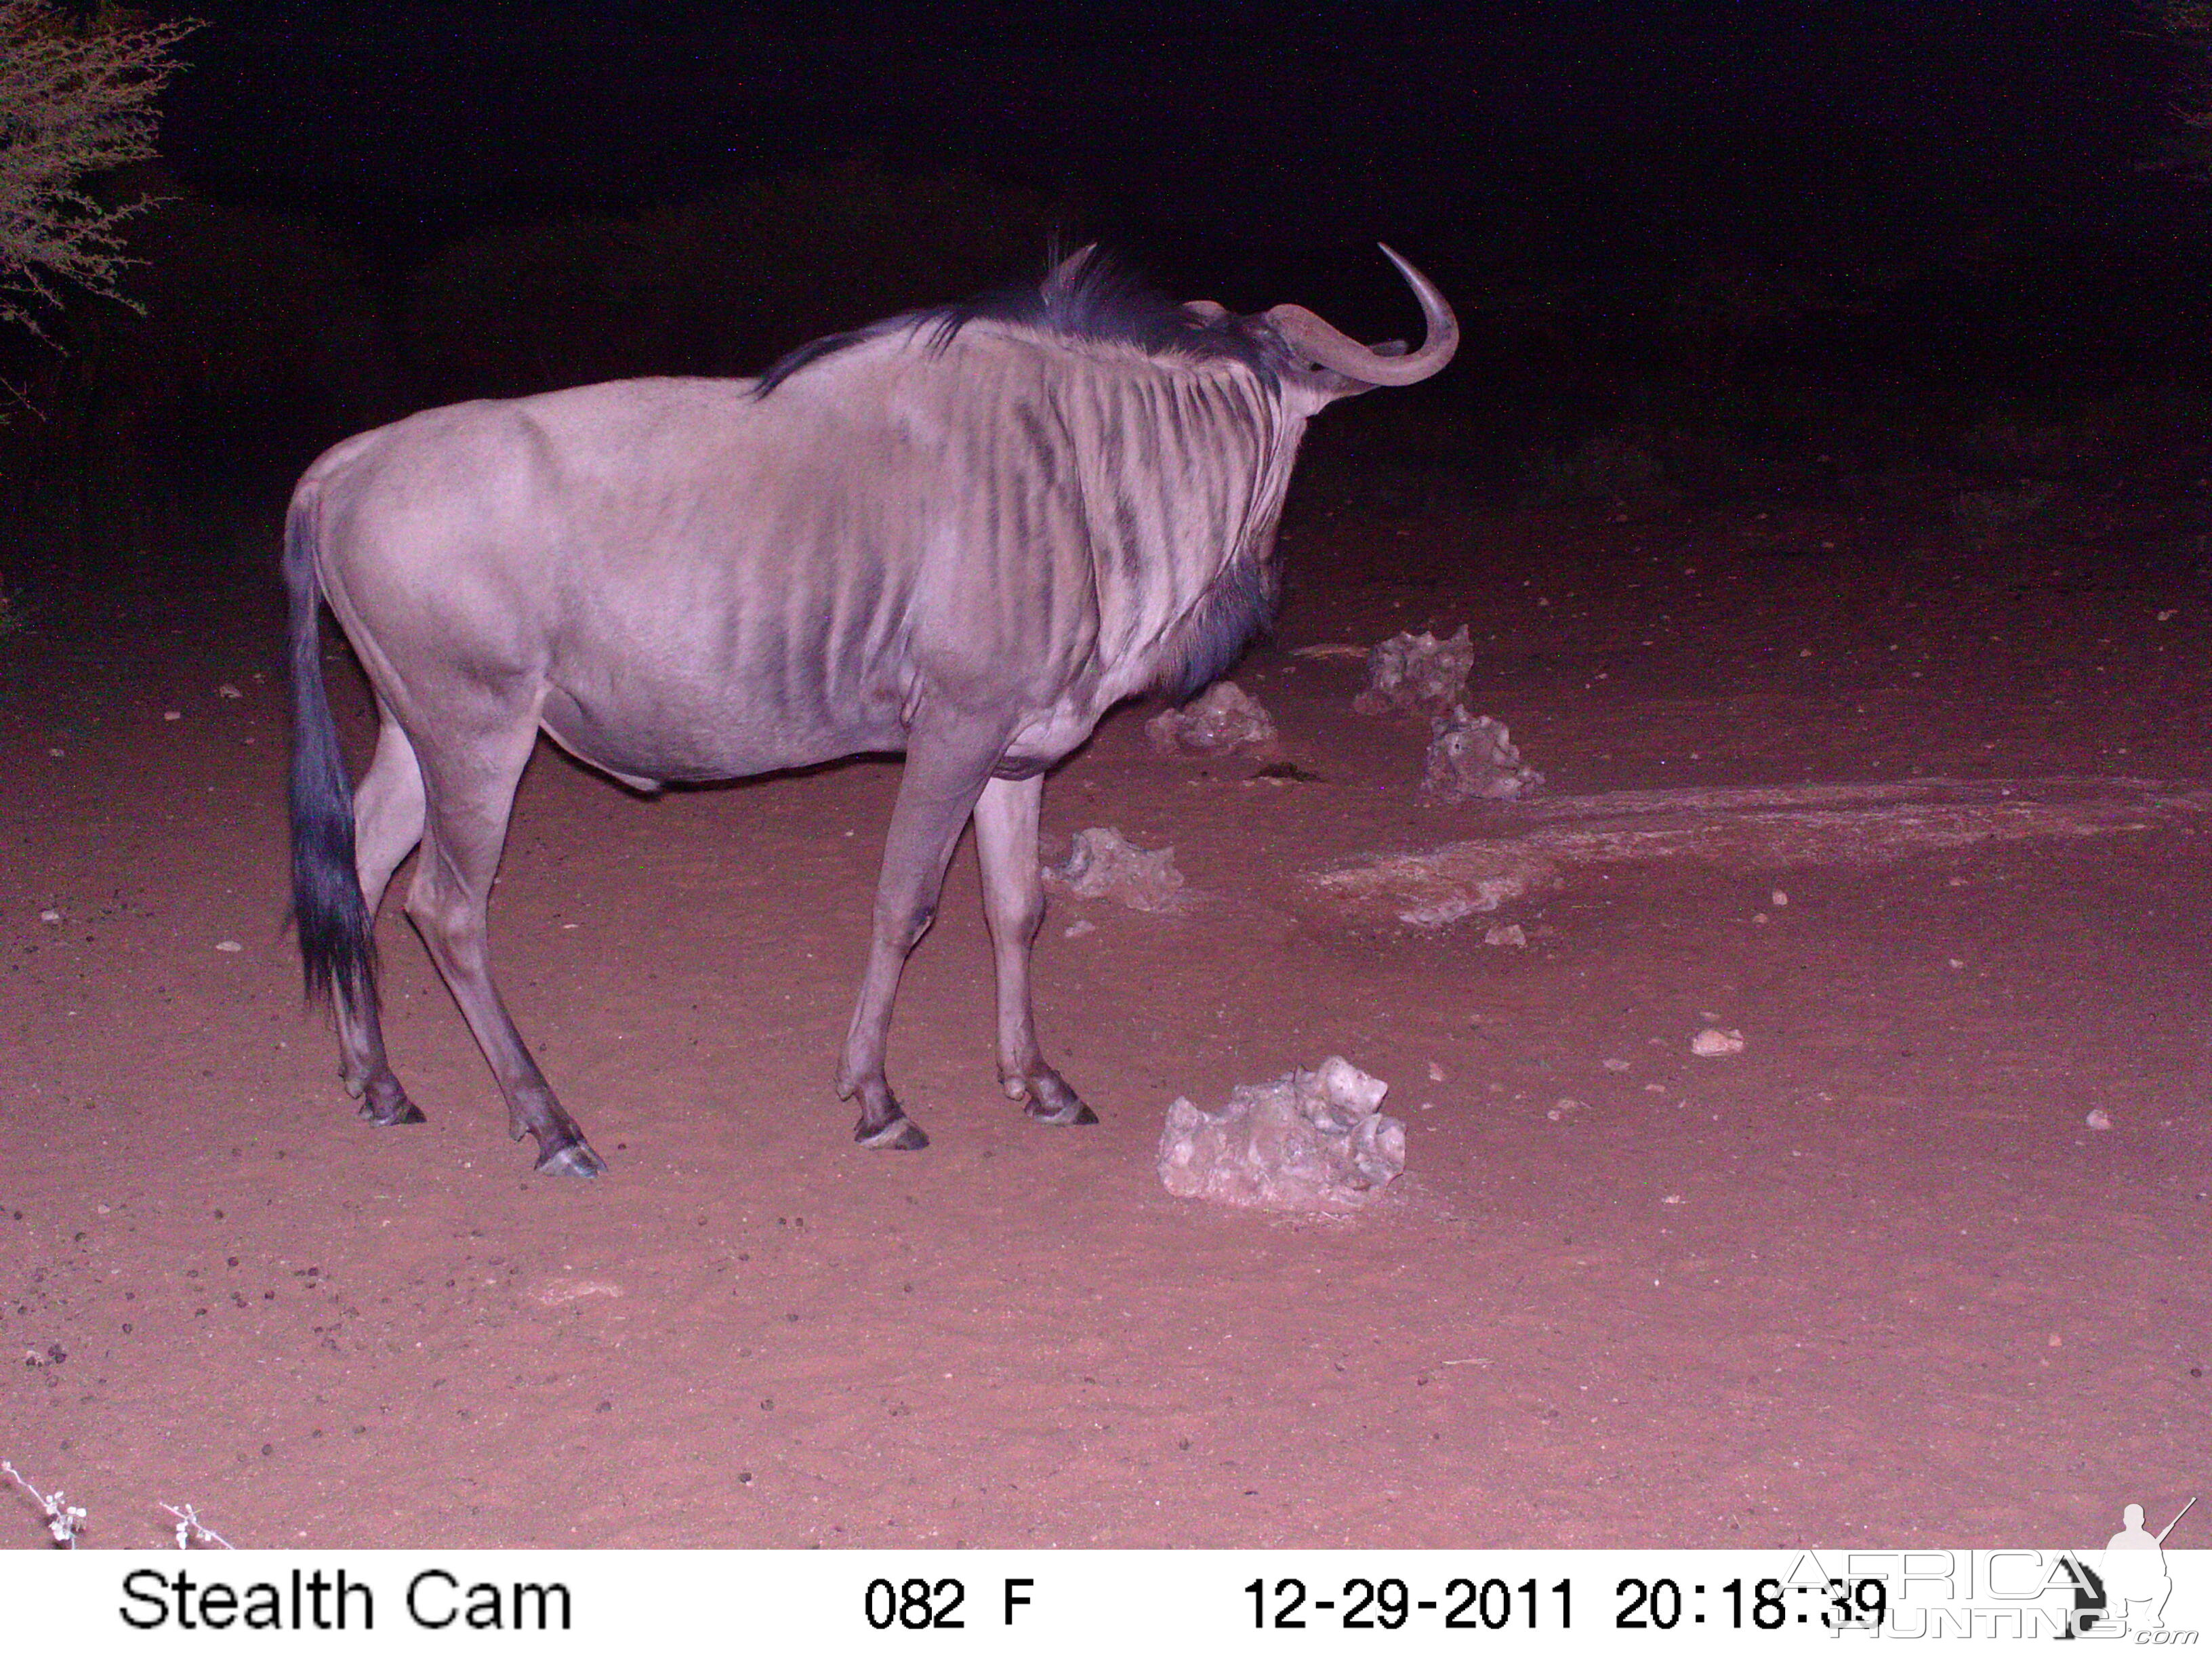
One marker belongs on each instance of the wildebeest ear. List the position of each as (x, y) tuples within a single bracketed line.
[(1389, 348), (1206, 310)]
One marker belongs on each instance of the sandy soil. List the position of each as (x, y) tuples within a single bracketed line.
[(1875, 1279)]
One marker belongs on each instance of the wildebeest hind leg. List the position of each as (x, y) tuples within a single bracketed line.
[(470, 788), (947, 762), (387, 822), (1013, 905)]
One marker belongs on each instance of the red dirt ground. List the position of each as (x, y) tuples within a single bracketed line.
[(1875, 1279)]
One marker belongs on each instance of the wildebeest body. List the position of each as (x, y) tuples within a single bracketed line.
[(966, 544)]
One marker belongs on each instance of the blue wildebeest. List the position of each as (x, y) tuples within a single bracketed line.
[(964, 534)]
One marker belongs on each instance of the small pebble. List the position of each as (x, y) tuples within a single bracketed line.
[(171, 714), (1712, 1042), (2099, 1119), (1436, 1073), (51, 918), (228, 691), (1077, 929), (1505, 933), (229, 945), (1778, 899), (1616, 1066)]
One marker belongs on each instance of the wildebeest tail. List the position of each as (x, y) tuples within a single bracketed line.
[(336, 948)]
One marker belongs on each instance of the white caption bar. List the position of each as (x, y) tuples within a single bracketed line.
[(988, 1601)]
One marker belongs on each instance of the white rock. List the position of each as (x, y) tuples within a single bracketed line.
[(1417, 671), (51, 918), (1309, 1141), (1472, 757), (1225, 718), (2099, 1119), (1712, 1042), (229, 945), (1102, 864), (226, 689)]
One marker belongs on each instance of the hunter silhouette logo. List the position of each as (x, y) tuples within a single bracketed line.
[(2128, 1588), (2135, 1569)]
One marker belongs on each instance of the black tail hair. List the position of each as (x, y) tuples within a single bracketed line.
[(336, 950)]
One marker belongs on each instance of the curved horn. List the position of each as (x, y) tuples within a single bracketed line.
[(1206, 310), (1064, 272), (1306, 333)]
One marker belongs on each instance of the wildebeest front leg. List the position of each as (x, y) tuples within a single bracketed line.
[(1013, 905), (947, 762)]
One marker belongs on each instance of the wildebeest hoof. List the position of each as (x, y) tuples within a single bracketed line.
[(573, 1160), (901, 1134), (1068, 1114), (389, 1113)]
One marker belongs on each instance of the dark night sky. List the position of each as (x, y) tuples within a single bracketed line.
[(1257, 121)]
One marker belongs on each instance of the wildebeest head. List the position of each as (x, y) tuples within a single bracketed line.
[(1090, 295), (1323, 362)]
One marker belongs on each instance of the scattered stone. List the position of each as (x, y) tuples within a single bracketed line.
[(1225, 718), (1472, 757), (1102, 864), (1567, 1104), (1764, 827), (1080, 926), (1712, 1042), (1309, 1141), (1616, 1066), (171, 714), (227, 690), (558, 1291), (228, 946), (1436, 1073), (51, 918), (1506, 933), (2099, 1119), (1418, 672), (1779, 899), (1431, 890)]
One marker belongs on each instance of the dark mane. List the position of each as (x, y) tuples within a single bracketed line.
[(1094, 298)]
